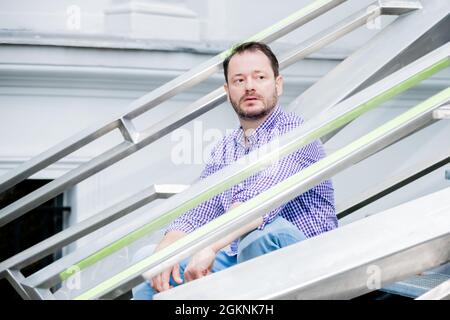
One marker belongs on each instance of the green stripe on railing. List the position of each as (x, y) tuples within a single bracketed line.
[(288, 183), (255, 167), (282, 23)]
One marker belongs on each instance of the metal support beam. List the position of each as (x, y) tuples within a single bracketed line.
[(399, 7), (392, 183), (38, 293), (128, 130), (15, 278)]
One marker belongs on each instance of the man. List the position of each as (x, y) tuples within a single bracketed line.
[(253, 85)]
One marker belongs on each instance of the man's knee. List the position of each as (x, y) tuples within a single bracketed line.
[(278, 234)]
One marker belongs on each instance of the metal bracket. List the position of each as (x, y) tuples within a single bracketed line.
[(38, 293), (128, 130), (15, 278), (398, 7)]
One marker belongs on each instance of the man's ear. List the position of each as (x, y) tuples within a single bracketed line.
[(225, 86), (279, 85)]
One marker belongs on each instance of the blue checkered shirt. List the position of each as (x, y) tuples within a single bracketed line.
[(313, 212)]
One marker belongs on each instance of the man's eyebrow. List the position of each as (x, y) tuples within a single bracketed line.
[(240, 74)]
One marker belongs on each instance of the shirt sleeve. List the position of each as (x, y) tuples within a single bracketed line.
[(204, 212), (276, 173)]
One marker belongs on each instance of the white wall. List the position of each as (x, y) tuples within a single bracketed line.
[(220, 22)]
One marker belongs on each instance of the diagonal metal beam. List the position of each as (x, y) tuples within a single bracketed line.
[(391, 184), (399, 7), (15, 278)]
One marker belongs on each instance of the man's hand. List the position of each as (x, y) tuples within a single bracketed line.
[(200, 265), (160, 282)]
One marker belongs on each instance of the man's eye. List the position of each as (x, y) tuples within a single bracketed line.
[(261, 77)]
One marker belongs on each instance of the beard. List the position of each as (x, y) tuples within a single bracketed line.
[(268, 105)]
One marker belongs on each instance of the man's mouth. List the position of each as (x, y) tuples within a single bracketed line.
[(251, 98)]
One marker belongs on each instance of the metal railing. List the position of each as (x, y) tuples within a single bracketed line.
[(224, 179)]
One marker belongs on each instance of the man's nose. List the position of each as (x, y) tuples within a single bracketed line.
[(249, 84)]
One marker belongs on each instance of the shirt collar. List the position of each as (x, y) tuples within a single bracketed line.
[(262, 129)]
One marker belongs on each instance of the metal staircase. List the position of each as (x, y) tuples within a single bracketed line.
[(412, 48)]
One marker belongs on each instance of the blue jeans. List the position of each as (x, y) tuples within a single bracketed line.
[(278, 234)]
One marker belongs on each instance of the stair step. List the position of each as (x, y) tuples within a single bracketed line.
[(417, 285)]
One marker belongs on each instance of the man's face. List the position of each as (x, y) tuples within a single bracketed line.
[(252, 88)]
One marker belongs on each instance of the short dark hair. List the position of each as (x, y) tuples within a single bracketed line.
[(252, 46)]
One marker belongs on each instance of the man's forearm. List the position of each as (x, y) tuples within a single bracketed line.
[(170, 237), (237, 233)]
